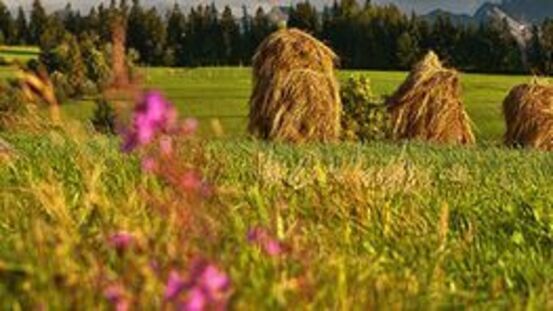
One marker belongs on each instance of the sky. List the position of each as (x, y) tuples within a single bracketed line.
[(420, 6)]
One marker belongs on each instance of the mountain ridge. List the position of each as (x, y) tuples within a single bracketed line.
[(533, 11)]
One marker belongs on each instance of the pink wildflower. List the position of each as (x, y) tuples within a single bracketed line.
[(207, 286), (175, 285), (191, 181), (166, 146), (154, 114), (195, 301), (261, 237), (189, 126), (149, 165), (116, 295), (121, 240), (213, 280)]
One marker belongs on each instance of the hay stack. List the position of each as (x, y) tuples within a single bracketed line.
[(428, 106), (528, 112), (296, 95)]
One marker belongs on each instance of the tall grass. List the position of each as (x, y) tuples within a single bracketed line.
[(361, 226)]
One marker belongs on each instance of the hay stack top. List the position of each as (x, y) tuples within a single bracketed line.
[(295, 96), (528, 112), (428, 105), (292, 49)]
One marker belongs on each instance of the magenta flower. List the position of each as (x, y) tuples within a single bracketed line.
[(273, 248), (121, 240), (261, 237), (115, 294), (149, 165), (206, 287), (153, 115), (195, 301), (175, 285), (166, 146), (190, 126), (191, 181), (213, 280)]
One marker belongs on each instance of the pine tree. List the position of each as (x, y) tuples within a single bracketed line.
[(146, 34), (176, 30), (407, 51), (304, 16), (261, 27), (7, 24), (21, 27), (38, 23), (176, 24), (231, 37), (247, 46), (76, 74), (536, 53)]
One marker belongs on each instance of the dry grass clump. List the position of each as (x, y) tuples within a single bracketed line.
[(528, 112), (296, 95), (428, 106)]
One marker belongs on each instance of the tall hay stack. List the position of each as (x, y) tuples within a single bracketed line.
[(428, 106), (528, 112), (295, 96)]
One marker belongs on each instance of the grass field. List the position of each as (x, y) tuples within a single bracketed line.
[(223, 93), (18, 53), (359, 226)]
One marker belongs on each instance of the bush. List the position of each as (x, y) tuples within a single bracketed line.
[(364, 116), (62, 87), (103, 119), (16, 112)]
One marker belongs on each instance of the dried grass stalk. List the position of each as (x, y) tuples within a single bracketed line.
[(528, 112), (428, 106), (296, 95)]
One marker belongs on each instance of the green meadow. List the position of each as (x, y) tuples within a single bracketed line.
[(21, 54), (363, 226), (223, 93)]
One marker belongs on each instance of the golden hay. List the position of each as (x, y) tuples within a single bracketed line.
[(296, 95), (428, 106), (528, 112)]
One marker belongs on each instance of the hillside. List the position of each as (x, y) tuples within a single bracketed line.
[(520, 11), (529, 10)]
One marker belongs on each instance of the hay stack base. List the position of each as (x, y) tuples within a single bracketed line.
[(428, 106), (528, 112), (295, 96)]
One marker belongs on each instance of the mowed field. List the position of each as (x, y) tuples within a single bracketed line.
[(368, 226), (223, 93), (18, 53)]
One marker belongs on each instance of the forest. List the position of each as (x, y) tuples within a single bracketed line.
[(364, 36)]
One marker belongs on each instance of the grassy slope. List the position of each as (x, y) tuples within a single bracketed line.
[(368, 226), (377, 225)]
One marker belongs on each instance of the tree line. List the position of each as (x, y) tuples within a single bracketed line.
[(364, 36)]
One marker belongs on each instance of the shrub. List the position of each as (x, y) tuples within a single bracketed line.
[(11, 106), (103, 119), (63, 88), (364, 116)]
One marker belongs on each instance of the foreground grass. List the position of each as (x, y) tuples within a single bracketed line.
[(366, 226)]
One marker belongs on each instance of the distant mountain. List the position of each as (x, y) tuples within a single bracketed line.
[(457, 19), (533, 11), (522, 11)]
